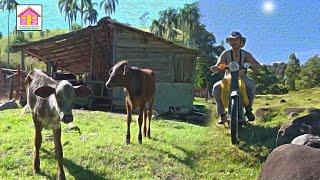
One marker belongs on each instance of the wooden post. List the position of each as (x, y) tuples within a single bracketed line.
[(11, 88), (18, 84), (22, 57), (49, 67), (91, 55), (54, 70)]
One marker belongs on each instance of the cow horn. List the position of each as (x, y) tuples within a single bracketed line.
[(124, 69)]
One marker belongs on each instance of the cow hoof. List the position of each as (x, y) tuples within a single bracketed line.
[(127, 142), (36, 171), (61, 176)]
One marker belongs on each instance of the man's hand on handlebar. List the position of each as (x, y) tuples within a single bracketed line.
[(213, 68)]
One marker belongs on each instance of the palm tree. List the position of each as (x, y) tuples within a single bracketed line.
[(47, 32), (30, 35), (109, 6), (182, 16), (1, 36), (90, 14), (169, 19), (70, 9), (156, 28), (41, 34), (84, 4), (191, 16), (9, 5)]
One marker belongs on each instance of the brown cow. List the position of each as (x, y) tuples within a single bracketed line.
[(50, 103), (292, 162), (139, 88)]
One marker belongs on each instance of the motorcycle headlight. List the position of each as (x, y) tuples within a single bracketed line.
[(234, 66)]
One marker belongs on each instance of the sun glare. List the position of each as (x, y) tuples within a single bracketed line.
[(268, 7)]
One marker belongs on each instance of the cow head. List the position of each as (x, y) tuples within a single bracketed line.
[(118, 74), (64, 94), (289, 131)]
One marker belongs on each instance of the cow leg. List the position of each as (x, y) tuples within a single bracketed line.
[(129, 118), (58, 152), (37, 144), (145, 122), (140, 119), (149, 117)]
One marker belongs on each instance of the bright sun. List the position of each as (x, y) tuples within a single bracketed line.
[(268, 7)]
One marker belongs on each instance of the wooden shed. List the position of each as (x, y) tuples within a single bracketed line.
[(91, 52)]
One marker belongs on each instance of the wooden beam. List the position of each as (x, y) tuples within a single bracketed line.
[(52, 39), (36, 56), (59, 46)]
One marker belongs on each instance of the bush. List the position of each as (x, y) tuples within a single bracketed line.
[(76, 27), (19, 37), (277, 89)]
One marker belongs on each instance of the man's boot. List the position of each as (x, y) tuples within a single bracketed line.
[(249, 114), (223, 119)]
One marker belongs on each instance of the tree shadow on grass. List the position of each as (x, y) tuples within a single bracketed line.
[(77, 171), (189, 161), (258, 140)]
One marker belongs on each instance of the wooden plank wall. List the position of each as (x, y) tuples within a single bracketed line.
[(147, 52)]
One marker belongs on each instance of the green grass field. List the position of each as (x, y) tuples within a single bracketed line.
[(177, 150)]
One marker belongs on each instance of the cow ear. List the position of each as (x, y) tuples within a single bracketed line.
[(45, 91), (82, 91)]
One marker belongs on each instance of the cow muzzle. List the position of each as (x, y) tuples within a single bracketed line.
[(67, 118)]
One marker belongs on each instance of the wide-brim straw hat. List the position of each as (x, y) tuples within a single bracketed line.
[(234, 35)]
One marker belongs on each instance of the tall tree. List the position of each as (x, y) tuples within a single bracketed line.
[(30, 35), (310, 73), (1, 36), (109, 6), (157, 28), (9, 5), (70, 9), (91, 14), (292, 72), (190, 17), (169, 20), (84, 5)]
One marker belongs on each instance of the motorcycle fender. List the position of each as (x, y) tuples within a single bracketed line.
[(235, 94)]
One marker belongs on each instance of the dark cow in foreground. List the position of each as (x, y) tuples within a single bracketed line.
[(51, 102), (308, 124), (139, 90), (290, 161)]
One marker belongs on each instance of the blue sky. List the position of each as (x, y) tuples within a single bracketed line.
[(293, 26)]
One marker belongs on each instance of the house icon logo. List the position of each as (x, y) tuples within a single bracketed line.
[(29, 17)]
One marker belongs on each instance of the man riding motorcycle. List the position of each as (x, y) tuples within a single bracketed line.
[(236, 41)]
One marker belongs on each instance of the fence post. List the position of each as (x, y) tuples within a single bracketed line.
[(18, 84), (11, 88)]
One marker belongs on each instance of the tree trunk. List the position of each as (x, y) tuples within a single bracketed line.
[(8, 61), (69, 24)]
